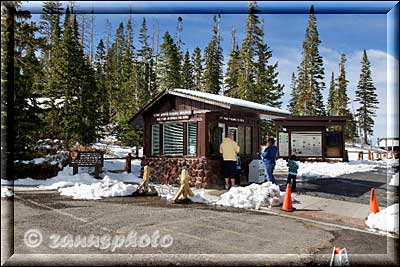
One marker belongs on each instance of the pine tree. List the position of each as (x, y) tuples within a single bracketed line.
[(294, 95), (169, 64), (27, 116), (342, 100), (232, 72), (331, 108), (213, 61), (311, 72), (367, 98), (50, 26), (257, 78), (99, 65), (187, 72), (147, 87), (113, 71), (197, 69), (268, 89)]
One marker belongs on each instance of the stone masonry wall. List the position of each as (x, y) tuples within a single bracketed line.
[(203, 172)]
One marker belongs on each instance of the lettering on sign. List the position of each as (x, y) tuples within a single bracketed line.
[(173, 118), (231, 119), (86, 158), (173, 113)]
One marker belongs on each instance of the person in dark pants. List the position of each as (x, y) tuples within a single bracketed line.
[(293, 167), (229, 150), (269, 156)]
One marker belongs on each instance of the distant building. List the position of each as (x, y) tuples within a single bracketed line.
[(391, 144)]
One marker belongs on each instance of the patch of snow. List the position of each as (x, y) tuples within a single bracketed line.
[(166, 191), (6, 192), (102, 189), (65, 178), (117, 151), (202, 197), (251, 197), (326, 169), (395, 180), (386, 220)]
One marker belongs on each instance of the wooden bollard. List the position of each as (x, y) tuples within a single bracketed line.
[(184, 190), (360, 155), (369, 155), (128, 163), (143, 187)]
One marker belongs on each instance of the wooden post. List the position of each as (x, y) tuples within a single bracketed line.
[(128, 164), (74, 170), (346, 156), (97, 172), (369, 155), (360, 155)]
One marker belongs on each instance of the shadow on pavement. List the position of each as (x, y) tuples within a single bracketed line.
[(338, 186)]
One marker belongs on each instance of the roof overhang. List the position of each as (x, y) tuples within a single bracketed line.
[(137, 119)]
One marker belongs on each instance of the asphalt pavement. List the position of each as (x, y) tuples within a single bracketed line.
[(201, 234)]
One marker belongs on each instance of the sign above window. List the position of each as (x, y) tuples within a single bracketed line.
[(178, 115), (226, 118)]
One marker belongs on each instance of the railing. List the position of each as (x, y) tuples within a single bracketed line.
[(128, 161)]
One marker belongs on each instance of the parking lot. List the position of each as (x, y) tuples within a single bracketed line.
[(194, 228)]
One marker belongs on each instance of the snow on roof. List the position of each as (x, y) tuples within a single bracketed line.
[(231, 101)]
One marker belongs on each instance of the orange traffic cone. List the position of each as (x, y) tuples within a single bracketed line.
[(287, 201), (373, 202)]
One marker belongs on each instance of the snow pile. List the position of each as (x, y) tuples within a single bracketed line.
[(65, 178), (203, 197), (395, 180), (104, 188), (5, 192), (386, 220), (393, 163), (200, 195), (250, 197), (166, 191)]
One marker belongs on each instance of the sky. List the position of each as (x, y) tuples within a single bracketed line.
[(285, 24)]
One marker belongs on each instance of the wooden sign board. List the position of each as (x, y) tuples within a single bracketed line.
[(87, 159)]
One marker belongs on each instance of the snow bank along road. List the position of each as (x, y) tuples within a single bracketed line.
[(195, 229)]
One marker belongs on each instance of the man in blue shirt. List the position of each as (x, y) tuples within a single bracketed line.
[(269, 156)]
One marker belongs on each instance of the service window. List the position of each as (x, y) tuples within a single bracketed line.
[(155, 139), (191, 138), (173, 139)]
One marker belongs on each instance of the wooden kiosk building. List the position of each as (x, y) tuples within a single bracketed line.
[(316, 137), (184, 128)]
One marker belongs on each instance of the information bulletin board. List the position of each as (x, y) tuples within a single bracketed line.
[(307, 144), (283, 144)]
